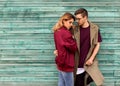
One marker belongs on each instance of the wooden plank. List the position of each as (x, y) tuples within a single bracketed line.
[(59, 8), (60, 1), (39, 14), (28, 79), (33, 84), (112, 56), (54, 4), (27, 74), (28, 67), (28, 47), (117, 73), (27, 36)]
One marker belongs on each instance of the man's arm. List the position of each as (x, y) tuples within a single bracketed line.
[(95, 51)]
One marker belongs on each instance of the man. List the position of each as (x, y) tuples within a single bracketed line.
[(88, 40)]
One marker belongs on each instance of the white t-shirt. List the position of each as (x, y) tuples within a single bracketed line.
[(80, 70)]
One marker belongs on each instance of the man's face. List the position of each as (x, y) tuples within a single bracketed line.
[(80, 19)]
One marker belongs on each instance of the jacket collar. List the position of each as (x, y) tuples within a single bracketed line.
[(92, 34)]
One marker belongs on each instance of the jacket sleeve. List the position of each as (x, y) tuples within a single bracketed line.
[(70, 43)]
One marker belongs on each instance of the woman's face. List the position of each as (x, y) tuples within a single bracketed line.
[(68, 24)]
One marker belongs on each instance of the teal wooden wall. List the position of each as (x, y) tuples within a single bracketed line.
[(26, 39)]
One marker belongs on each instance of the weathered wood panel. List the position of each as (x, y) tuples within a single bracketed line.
[(26, 39)]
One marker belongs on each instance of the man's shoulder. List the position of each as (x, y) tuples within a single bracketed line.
[(76, 27), (93, 25)]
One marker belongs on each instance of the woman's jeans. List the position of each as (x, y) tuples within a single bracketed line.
[(65, 79)]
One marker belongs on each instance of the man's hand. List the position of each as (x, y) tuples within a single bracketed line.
[(89, 62), (55, 52)]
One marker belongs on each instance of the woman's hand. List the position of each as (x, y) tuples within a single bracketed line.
[(55, 52)]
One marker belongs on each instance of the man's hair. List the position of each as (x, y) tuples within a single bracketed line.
[(81, 11)]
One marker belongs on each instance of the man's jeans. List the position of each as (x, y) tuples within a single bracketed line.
[(65, 79)]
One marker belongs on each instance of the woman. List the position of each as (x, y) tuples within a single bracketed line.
[(66, 47)]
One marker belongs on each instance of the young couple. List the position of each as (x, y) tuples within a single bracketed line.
[(76, 49)]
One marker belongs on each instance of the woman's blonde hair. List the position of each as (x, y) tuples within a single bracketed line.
[(67, 16)]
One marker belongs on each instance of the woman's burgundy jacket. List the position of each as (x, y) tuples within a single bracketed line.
[(66, 46)]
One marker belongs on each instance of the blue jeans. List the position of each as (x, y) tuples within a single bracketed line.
[(65, 79)]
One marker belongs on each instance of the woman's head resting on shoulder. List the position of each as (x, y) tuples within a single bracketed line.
[(66, 20)]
